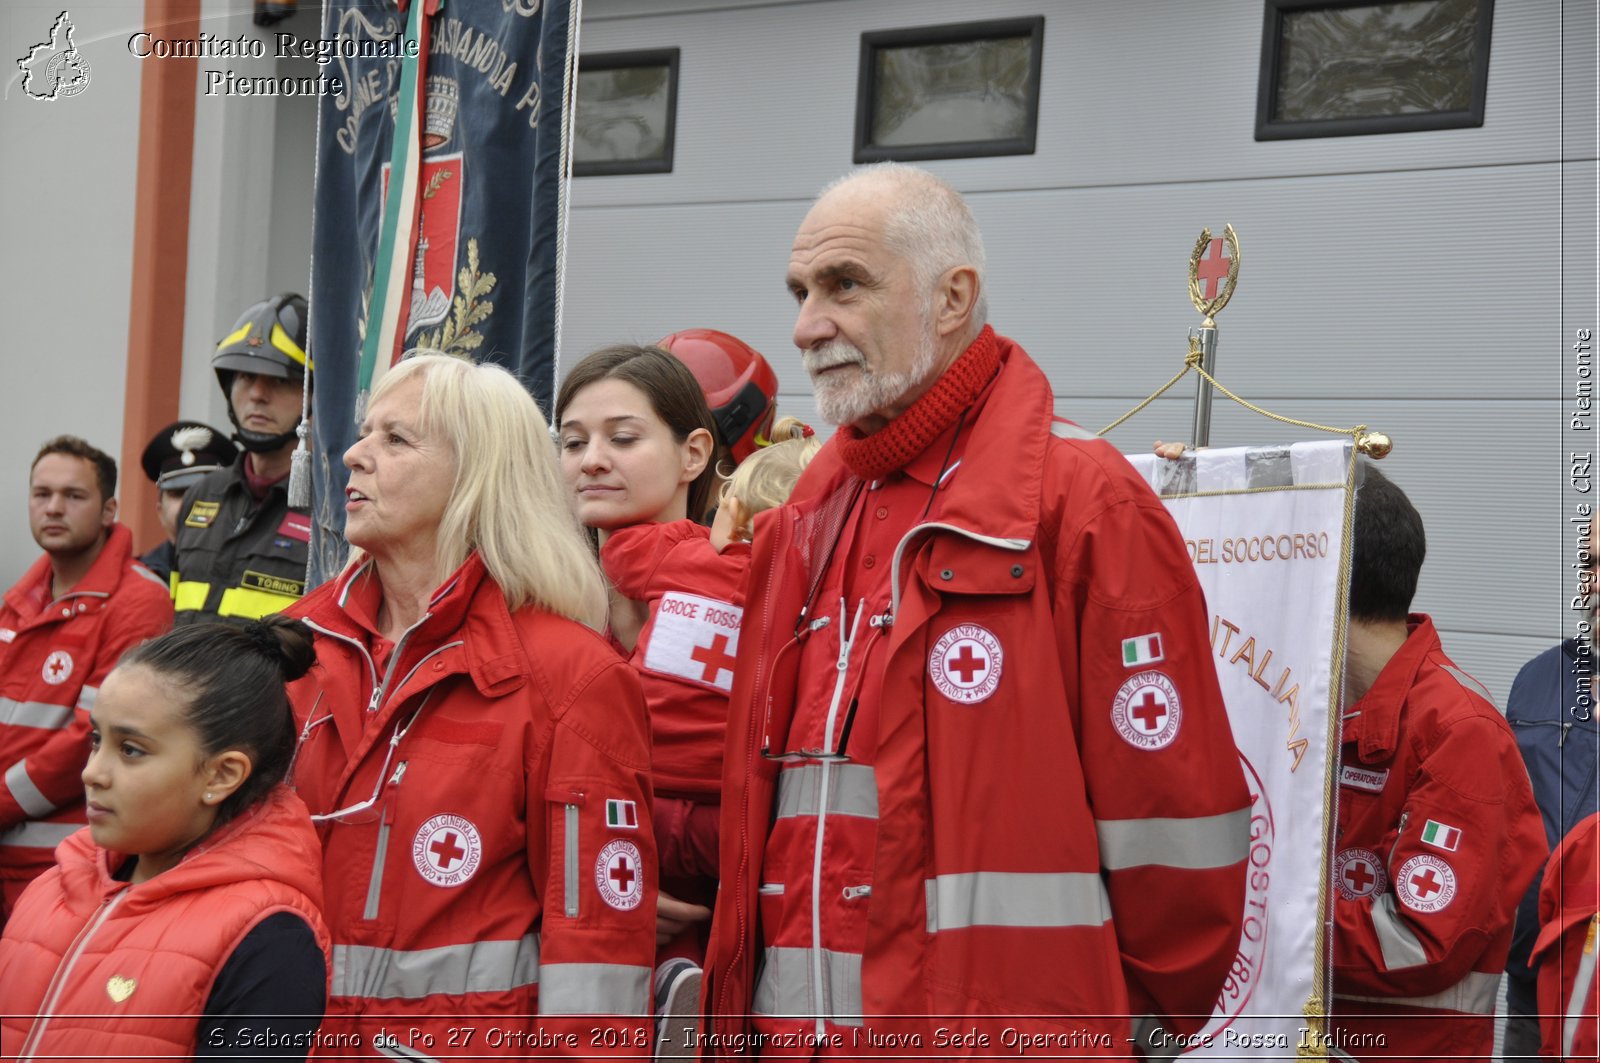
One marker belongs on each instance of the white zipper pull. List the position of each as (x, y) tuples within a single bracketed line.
[(399, 773), (853, 892), (377, 695)]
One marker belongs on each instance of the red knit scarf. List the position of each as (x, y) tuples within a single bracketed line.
[(895, 444)]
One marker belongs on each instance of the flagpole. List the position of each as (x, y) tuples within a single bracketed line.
[(1206, 335)]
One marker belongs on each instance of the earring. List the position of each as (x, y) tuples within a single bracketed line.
[(208, 797)]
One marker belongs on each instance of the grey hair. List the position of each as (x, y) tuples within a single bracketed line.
[(930, 226)]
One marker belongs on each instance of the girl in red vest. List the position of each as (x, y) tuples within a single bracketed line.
[(185, 920)]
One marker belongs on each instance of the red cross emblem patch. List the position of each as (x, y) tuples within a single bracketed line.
[(966, 663), (57, 667), (1147, 711), (619, 875), (447, 850), (1358, 873), (1425, 883)]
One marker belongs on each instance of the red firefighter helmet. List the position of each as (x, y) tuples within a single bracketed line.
[(739, 385)]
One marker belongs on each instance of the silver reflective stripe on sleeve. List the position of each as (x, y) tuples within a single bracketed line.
[(1203, 842), (852, 791), (1068, 430), (1011, 898), (594, 989), (569, 879), (1581, 984), (25, 793), (39, 835), (393, 974), (86, 697), (375, 884), (1471, 684), (1400, 946), (1473, 995), (40, 714), (784, 987)]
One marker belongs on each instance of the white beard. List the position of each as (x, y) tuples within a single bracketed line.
[(846, 399)]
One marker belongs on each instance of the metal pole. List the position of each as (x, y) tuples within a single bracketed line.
[(1202, 399)]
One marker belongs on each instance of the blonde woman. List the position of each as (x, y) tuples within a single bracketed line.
[(475, 755)]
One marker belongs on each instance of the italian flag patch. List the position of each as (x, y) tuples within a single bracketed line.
[(622, 815), (1145, 649), (1441, 835)]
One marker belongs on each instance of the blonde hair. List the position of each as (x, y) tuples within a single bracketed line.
[(766, 478), (509, 502)]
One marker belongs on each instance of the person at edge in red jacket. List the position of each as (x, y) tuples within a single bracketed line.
[(1566, 949), (62, 628), (186, 921), (475, 755), (979, 776), (1438, 835)]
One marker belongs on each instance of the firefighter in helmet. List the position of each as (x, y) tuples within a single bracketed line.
[(241, 548)]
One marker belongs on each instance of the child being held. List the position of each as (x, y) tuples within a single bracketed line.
[(693, 580)]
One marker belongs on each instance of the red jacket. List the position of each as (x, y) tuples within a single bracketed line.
[(97, 969), (1030, 860), (686, 649), (1569, 992), (1438, 838), (494, 858), (53, 657)]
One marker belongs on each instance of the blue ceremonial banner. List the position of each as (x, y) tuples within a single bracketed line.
[(440, 178)]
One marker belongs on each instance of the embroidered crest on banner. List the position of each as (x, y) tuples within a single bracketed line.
[(617, 875), (57, 667), (1358, 873), (447, 850), (1425, 883), (1361, 779), (695, 638), (966, 664), (1147, 711)]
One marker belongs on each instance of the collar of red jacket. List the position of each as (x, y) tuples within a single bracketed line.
[(468, 605), (272, 839), (99, 582), (998, 488), (1377, 728)]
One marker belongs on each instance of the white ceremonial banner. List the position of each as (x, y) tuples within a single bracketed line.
[(1265, 530)]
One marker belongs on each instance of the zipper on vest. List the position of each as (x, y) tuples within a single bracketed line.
[(847, 640), (570, 881), (58, 984), (375, 884)]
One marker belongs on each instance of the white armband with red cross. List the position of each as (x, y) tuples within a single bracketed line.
[(695, 638)]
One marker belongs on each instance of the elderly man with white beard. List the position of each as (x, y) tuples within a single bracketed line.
[(980, 791)]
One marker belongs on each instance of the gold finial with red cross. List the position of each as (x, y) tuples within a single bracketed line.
[(1213, 272)]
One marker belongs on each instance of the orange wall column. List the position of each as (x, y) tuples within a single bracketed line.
[(160, 258)]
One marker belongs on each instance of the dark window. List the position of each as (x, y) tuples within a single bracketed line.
[(949, 92), (627, 110), (1338, 67)]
